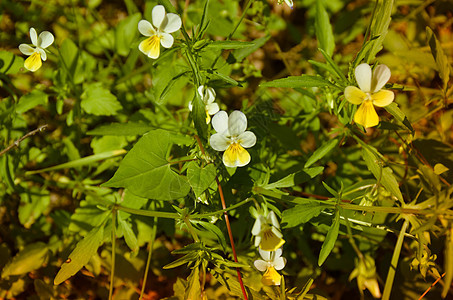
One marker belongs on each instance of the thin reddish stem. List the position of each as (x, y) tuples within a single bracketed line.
[(227, 221), (432, 285)]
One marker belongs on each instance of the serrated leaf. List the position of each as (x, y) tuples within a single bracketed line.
[(323, 29), (302, 213), (302, 81), (295, 178), (98, 100), (384, 175), (330, 240), (80, 256), (321, 152), (146, 172), (30, 258), (200, 178)]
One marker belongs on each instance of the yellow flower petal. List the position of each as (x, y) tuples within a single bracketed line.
[(151, 46), (270, 242), (354, 95), (33, 62), (236, 156), (382, 98), (271, 277), (366, 115)]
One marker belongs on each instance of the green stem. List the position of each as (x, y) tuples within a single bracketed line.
[(148, 261), (394, 262), (191, 230), (148, 213), (112, 272), (240, 20)]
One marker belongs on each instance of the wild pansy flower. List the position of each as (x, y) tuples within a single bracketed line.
[(288, 2), (267, 232), (207, 95), (159, 34), (369, 94), (36, 53), (272, 261), (232, 138)]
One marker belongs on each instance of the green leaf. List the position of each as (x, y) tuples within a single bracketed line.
[(302, 81), (384, 175), (323, 29), (33, 203), (128, 233), (321, 152), (214, 229), (10, 63), (224, 45), (125, 33), (295, 178), (31, 100), (239, 54), (439, 56), (378, 29), (200, 178), (302, 213), (394, 110), (330, 240), (199, 117), (146, 172), (98, 100), (334, 67), (80, 256), (217, 75), (448, 264), (193, 289), (121, 129), (30, 258)]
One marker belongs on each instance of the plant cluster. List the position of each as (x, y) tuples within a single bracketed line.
[(175, 150)]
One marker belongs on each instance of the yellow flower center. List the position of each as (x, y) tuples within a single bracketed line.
[(236, 155), (269, 241), (33, 62), (151, 46), (271, 277)]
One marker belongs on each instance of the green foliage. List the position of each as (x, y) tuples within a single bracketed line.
[(106, 173)]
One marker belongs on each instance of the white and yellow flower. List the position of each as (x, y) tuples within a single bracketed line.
[(207, 95), (288, 2), (271, 262), (232, 138), (369, 94), (267, 232), (159, 34), (36, 53)]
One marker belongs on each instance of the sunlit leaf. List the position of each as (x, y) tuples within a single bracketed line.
[(330, 240)]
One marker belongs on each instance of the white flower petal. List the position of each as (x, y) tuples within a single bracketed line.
[(212, 108), (257, 241), (26, 49), (266, 255), (261, 265), (172, 24), (207, 94), (190, 106), (220, 121), (158, 14), (247, 139), (43, 54), (33, 36), (381, 74), (237, 123), (278, 253), (167, 40), (272, 218), (256, 229), (276, 232), (219, 142), (45, 39), (145, 28), (363, 77), (279, 263)]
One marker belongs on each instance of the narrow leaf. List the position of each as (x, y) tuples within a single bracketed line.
[(302, 81), (224, 45), (30, 258), (321, 152), (394, 110), (302, 213), (295, 178), (439, 56), (80, 256), (330, 240), (323, 29), (121, 129)]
